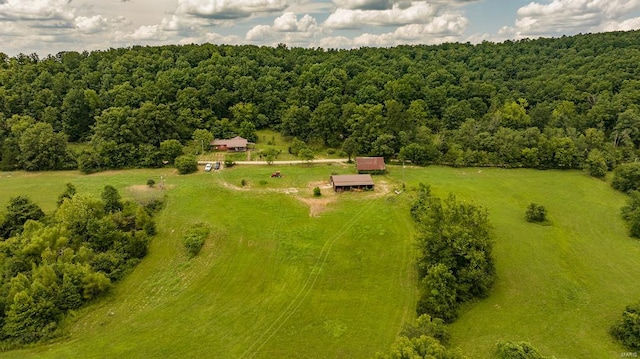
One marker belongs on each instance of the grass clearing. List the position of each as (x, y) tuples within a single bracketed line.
[(277, 283)]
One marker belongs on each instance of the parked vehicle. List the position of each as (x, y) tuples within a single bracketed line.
[(217, 165), (207, 167)]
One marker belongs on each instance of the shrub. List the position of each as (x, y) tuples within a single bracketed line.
[(151, 182), (316, 192), (186, 164), (627, 177), (243, 182), (520, 350), (536, 213), (194, 239), (229, 163), (631, 213)]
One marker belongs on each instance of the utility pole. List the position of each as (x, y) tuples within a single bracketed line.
[(403, 173)]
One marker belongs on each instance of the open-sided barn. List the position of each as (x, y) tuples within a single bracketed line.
[(348, 182)]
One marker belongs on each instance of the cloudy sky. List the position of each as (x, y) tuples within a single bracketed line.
[(50, 26)]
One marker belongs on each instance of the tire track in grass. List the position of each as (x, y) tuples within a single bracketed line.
[(239, 308), (306, 289)]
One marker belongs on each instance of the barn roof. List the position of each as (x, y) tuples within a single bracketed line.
[(370, 163), (232, 142), (351, 180)]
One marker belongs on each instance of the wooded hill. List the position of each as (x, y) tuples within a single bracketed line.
[(568, 102)]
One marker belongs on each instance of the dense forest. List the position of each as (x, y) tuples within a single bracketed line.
[(570, 102)]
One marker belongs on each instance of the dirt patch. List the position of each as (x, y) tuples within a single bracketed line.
[(316, 205), (235, 188), (140, 188)]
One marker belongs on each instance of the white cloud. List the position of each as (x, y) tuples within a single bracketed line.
[(626, 25), (147, 33), (571, 16), (286, 28), (418, 12), (92, 25), (229, 9), (36, 10), (212, 37), (446, 28)]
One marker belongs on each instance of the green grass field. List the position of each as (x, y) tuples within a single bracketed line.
[(273, 282)]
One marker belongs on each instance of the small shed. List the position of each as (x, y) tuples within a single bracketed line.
[(372, 165), (236, 144), (349, 182)]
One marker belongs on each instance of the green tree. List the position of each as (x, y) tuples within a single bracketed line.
[(627, 177), (350, 147), (270, 155), (248, 130), (627, 330), (455, 252), (631, 213), (111, 199), (306, 154), (596, 165), (517, 350), (31, 316), (69, 192), (170, 150), (439, 298), (195, 238), (202, 139), (18, 212), (41, 148), (423, 347), (77, 115), (186, 164), (536, 213)]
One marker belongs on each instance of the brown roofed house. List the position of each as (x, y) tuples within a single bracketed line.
[(372, 165), (236, 144)]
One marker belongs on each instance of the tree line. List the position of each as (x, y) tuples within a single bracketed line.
[(51, 264), (569, 102)]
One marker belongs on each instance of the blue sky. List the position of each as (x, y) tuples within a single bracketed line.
[(50, 26)]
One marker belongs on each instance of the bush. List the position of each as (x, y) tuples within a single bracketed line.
[(229, 163), (520, 350), (195, 238), (151, 182), (316, 192), (631, 213), (536, 213), (243, 182), (627, 177), (186, 164)]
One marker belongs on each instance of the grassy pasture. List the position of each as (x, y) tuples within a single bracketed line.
[(559, 287), (273, 282)]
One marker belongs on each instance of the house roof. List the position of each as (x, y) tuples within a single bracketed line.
[(370, 163), (232, 142), (351, 180)]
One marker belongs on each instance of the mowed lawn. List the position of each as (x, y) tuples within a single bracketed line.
[(277, 283), (272, 282), (559, 287)]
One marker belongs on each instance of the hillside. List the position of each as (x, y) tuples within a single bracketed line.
[(570, 102), (275, 282)]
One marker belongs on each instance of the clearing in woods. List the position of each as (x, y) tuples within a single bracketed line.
[(274, 281)]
